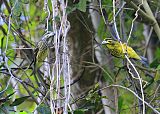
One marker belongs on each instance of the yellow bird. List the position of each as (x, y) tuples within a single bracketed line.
[(119, 50)]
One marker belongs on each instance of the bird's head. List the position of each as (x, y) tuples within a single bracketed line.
[(108, 42)]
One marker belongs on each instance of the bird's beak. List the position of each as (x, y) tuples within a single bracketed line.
[(104, 42)]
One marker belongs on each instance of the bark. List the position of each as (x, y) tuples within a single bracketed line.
[(81, 45), (85, 74), (102, 58)]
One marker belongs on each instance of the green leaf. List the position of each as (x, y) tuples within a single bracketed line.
[(43, 109), (10, 95), (155, 63), (157, 53), (158, 81), (158, 67), (157, 76), (120, 103), (12, 2), (17, 8), (82, 5), (34, 1), (19, 101), (80, 111), (110, 17), (70, 9), (25, 1)]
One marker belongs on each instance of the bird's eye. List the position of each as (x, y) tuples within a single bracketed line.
[(109, 41)]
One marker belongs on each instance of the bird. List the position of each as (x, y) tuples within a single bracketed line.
[(42, 49), (119, 50), (41, 52)]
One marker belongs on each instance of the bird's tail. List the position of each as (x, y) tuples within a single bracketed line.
[(144, 61)]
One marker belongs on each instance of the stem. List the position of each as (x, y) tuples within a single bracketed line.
[(150, 14)]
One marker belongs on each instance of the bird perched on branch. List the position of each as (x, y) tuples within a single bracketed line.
[(41, 52), (119, 50), (42, 48)]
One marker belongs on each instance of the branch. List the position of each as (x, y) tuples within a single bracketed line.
[(141, 12), (148, 15)]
